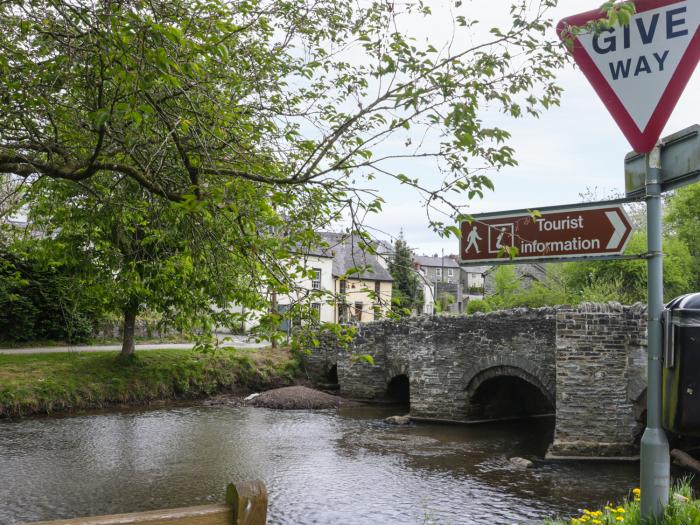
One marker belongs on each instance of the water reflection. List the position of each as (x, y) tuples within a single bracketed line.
[(320, 467)]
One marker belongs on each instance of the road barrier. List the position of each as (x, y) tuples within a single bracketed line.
[(246, 504)]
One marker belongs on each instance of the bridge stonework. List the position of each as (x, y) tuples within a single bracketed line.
[(589, 362)]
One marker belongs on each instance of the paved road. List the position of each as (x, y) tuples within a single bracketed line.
[(236, 341)]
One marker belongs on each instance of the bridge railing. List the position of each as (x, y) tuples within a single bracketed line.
[(246, 504)]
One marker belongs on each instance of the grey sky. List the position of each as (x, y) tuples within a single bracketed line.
[(568, 150)]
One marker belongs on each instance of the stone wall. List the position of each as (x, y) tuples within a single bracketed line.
[(601, 376), (588, 361), (443, 355)]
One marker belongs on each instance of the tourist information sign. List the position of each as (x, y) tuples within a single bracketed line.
[(596, 230), (641, 69)]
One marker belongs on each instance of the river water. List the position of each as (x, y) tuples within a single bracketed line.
[(320, 467)]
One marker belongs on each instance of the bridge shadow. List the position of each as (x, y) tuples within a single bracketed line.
[(507, 397), (398, 390)]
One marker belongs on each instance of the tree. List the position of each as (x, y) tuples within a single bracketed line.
[(407, 293), (157, 129), (683, 221)]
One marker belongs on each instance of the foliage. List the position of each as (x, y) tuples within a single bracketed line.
[(45, 383), (620, 280), (683, 221), (40, 301), (407, 293), (182, 264), (682, 509), (477, 305), (626, 280), (443, 302), (193, 147)]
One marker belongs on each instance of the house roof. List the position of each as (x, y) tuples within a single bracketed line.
[(435, 262), (347, 255)]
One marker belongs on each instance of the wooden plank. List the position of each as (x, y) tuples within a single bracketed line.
[(200, 515)]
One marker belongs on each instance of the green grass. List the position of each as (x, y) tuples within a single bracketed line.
[(682, 509), (45, 383)]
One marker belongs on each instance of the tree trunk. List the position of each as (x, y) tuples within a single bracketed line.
[(128, 345), (273, 308)]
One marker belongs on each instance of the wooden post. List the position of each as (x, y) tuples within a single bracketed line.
[(248, 499), (246, 504)]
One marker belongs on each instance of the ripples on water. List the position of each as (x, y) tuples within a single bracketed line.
[(319, 467)]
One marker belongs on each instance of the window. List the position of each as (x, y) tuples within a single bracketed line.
[(343, 287), (377, 312), (316, 279), (438, 272), (343, 313), (358, 312), (449, 272), (377, 288), (316, 310)]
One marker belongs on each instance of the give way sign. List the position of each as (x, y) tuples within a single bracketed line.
[(640, 70)]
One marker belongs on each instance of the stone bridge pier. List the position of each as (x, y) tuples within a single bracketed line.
[(586, 365)]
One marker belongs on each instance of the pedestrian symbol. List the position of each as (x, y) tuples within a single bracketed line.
[(471, 241)]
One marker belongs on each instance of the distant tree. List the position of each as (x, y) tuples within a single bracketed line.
[(407, 292), (683, 222)]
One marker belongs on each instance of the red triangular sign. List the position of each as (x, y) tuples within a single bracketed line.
[(640, 70)]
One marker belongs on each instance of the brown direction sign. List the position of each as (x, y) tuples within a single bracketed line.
[(561, 233)]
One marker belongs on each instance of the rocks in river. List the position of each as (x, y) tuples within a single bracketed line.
[(398, 420), (521, 462), (295, 398)]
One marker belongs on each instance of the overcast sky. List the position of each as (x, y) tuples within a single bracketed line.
[(567, 151)]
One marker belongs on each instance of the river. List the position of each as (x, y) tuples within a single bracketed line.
[(320, 467)]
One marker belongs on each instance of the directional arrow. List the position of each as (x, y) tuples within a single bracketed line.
[(620, 230), (582, 230)]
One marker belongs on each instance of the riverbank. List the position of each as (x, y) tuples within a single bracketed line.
[(682, 509), (60, 382)]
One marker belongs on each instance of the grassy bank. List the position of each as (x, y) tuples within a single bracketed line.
[(682, 509), (45, 383)]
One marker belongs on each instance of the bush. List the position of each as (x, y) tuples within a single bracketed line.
[(39, 302)]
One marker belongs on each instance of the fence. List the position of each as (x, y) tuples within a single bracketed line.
[(246, 504)]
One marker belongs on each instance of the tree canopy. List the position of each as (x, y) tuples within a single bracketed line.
[(187, 149)]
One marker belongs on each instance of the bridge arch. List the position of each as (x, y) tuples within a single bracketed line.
[(399, 389), (508, 391)]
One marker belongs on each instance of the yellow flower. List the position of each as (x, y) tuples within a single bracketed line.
[(619, 518), (596, 513), (620, 509), (586, 511), (636, 491)]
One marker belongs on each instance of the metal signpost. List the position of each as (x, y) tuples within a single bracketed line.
[(639, 71), (598, 230)]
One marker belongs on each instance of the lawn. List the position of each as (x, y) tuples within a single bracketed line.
[(46, 383)]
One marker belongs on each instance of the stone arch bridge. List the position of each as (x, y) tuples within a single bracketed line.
[(586, 364)]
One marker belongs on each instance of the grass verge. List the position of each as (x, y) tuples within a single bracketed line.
[(682, 509), (46, 383)]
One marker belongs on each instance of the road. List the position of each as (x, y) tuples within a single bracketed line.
[(236, 341)]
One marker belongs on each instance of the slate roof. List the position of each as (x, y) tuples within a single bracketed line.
[(435, 262), (347, 254)]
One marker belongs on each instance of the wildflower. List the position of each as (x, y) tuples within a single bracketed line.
[(596, 522), (619, 518), (636, 491), (620, 509)]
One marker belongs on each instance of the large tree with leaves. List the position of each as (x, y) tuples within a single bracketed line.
[(250, 122)]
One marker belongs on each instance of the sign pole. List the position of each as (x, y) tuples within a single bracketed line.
[(655, 460)]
